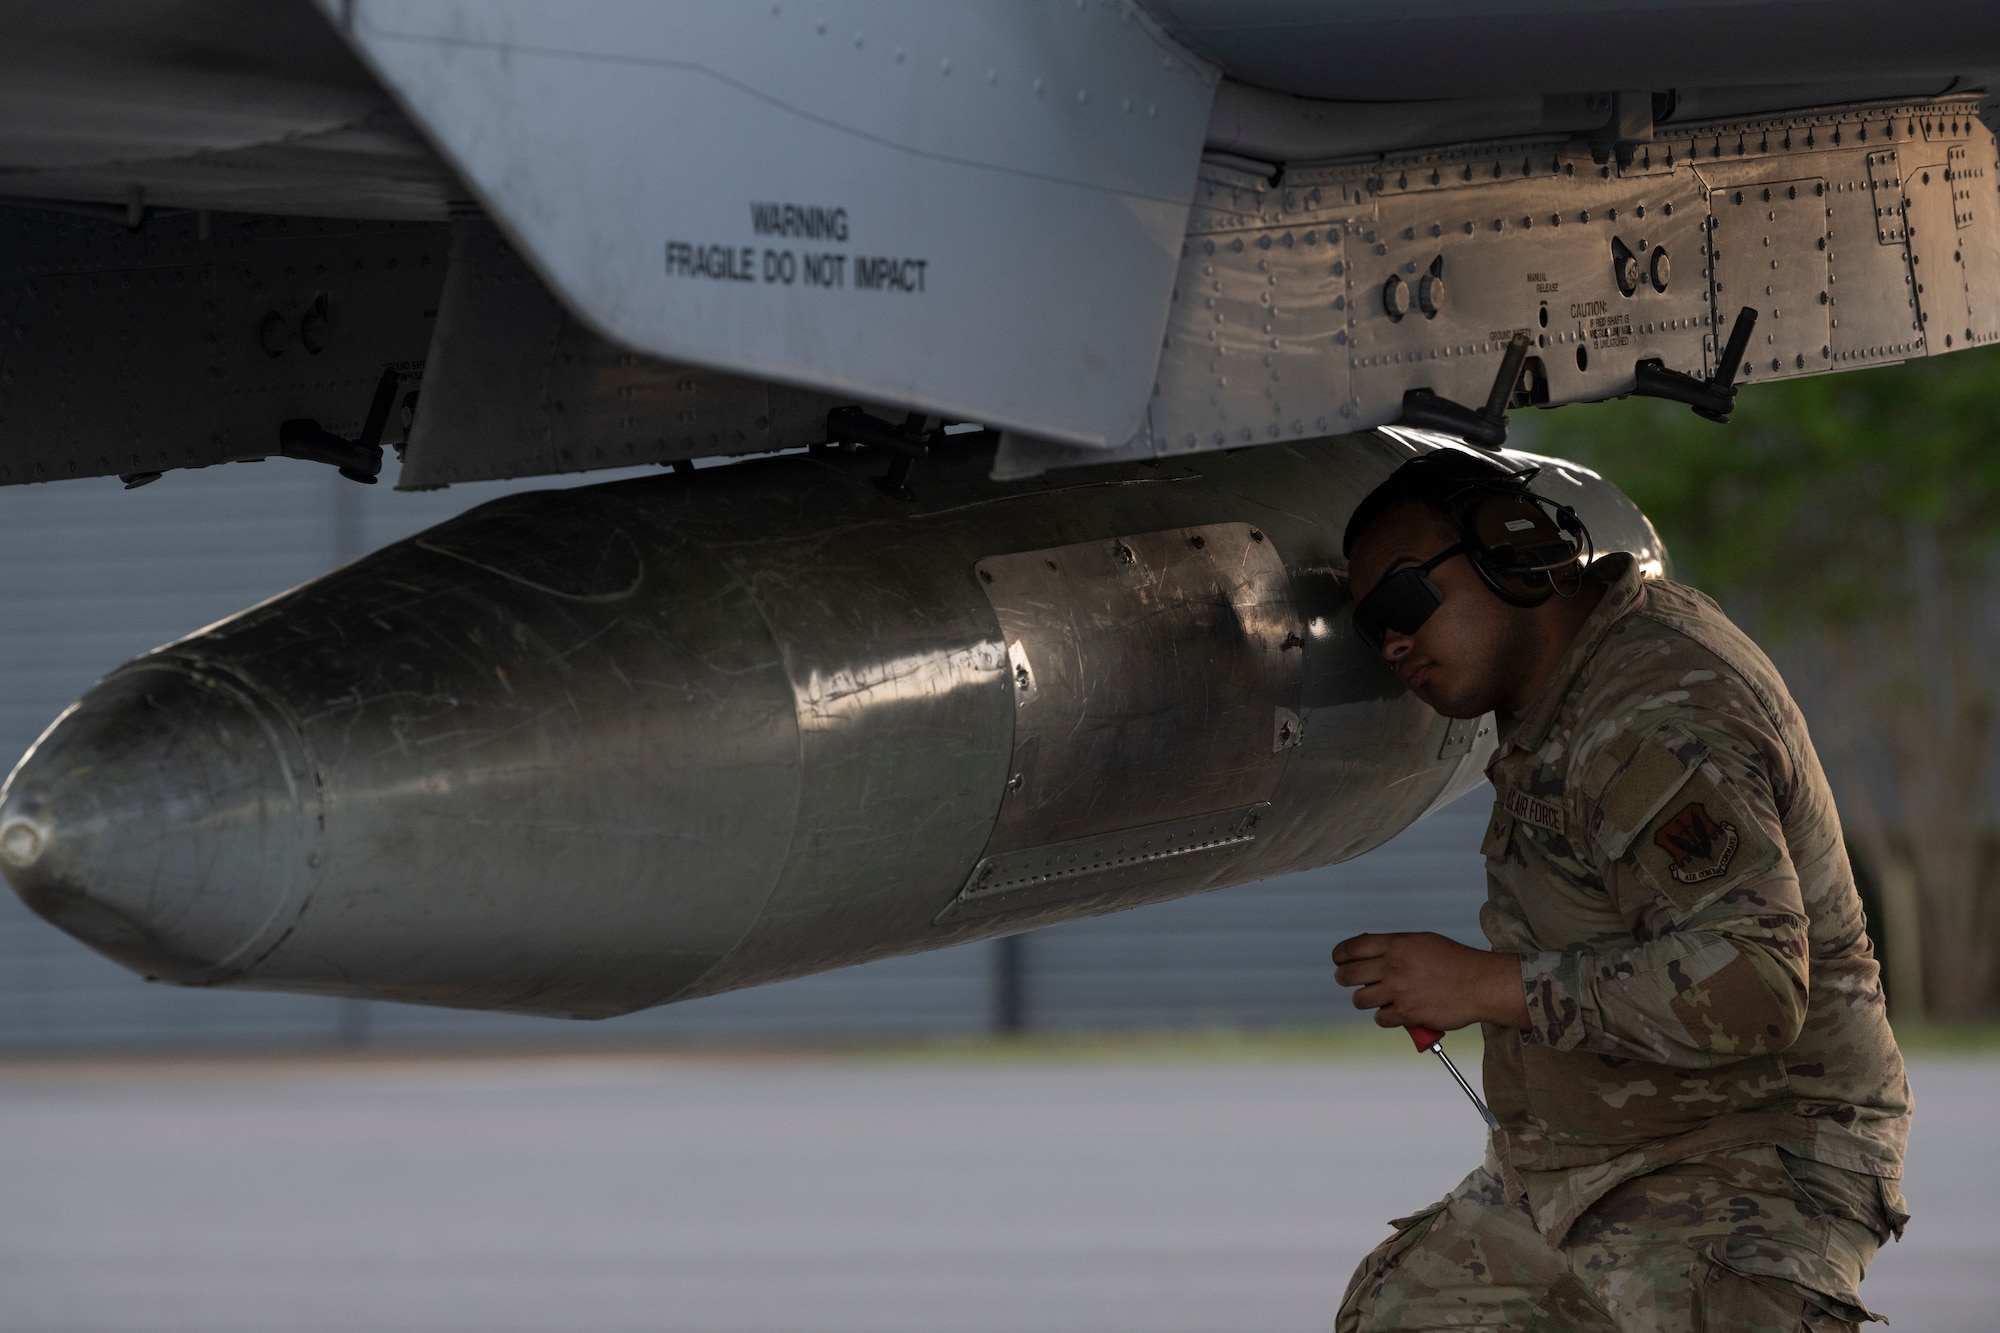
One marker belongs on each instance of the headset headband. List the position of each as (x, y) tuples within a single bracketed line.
[(1518, 542)]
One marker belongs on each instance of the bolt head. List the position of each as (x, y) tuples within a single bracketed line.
[(1396, 297), (1430, 294)]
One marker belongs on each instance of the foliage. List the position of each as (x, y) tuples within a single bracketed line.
[(1854, 521)]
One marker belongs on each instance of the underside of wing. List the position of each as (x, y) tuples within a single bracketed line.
[(1020, 628)]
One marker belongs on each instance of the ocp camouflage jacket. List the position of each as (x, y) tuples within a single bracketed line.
[(1665, 856)]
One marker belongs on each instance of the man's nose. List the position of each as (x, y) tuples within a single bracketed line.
[(1396, 645)]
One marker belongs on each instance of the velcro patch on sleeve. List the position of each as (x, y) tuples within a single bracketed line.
[(1701, 845), (1651, 774)]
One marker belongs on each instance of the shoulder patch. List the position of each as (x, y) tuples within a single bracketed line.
[(1702, 845), (1698, 846), (1647, 776)]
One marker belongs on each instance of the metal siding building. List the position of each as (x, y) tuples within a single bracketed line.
[(98, 574)]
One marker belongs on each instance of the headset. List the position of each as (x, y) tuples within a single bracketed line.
[(1522, 545)]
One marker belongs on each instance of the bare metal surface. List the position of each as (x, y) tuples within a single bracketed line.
[(581, 752), (1121, 650), (773, 1196), (1863, 236)]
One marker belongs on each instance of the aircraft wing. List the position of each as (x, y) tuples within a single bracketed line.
[(994, 213)]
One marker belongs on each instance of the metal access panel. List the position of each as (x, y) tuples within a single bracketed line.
[(1950, 201), (1156, 685), (1863, 230), (1257, 333), (1874, 295), (1768, 250)]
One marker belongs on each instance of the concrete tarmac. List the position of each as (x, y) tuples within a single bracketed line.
[(764, 1194)]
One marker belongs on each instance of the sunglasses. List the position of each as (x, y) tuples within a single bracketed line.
[(1403, 601)]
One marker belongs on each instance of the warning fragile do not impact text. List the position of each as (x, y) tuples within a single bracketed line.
[(801, 266)]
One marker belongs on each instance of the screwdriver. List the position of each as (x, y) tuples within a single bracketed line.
[(1430, 1039)]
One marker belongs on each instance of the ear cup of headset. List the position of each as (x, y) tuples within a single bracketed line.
[(1520, 544)]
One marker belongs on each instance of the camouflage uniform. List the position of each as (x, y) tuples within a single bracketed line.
[(1704, 1126)]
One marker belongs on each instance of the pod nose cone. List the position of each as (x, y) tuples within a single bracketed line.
[(170, 820)]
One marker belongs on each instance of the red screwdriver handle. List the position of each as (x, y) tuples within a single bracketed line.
[(1425, 1038)]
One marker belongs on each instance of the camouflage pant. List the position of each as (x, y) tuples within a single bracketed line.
[(1730, 1241)]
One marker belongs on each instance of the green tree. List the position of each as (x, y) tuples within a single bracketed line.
[(1853, 522)]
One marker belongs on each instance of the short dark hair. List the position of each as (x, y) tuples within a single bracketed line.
[(1444, 481)]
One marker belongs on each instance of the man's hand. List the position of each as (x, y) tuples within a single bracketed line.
[(1425, 980)]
